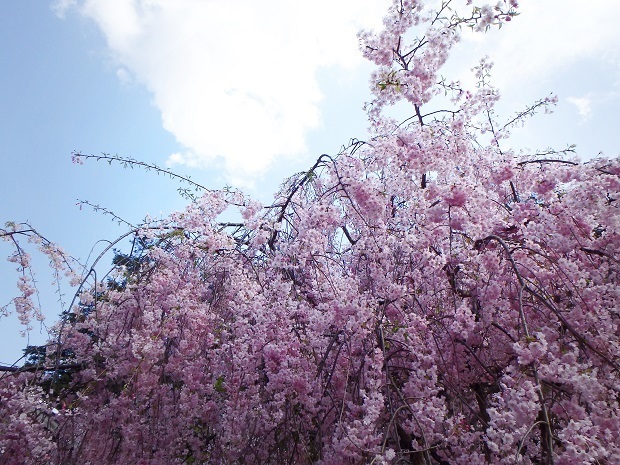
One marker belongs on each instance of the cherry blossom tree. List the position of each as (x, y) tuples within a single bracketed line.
[(427, 296)]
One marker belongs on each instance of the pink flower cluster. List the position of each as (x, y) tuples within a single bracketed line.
[(425, 297)]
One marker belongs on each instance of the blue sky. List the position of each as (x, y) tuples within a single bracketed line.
[(243, 96)]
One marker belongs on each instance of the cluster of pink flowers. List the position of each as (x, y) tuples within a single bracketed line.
[(26, 303), (425, 297)]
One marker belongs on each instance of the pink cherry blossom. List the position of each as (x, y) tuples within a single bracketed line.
[(426, 296)]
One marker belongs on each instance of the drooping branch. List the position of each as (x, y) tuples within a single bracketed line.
[(40, 369), (128, 162), (547, 160)]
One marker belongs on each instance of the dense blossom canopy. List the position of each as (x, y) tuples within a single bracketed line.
[(426, 297)]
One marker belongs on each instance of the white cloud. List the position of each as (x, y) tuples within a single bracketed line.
[(584, 106), (124, 76), (60, 6), (548, 37), (234, 81)]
